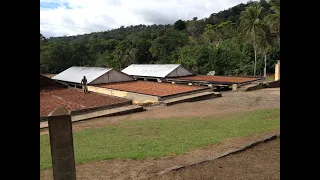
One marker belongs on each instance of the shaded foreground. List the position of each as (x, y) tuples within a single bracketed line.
[(259, 162)]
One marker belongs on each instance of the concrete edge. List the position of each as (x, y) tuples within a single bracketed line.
[(123, 91), (161, 98), (272, 84), (93, 109), (212, 82), (193, 99), (124, 112), (233, 151), (253, 87), (134, 101), (109, 106)]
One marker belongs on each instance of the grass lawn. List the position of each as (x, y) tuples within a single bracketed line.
[(157, 138)]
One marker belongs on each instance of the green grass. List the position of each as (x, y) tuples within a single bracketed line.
[(157, 138)]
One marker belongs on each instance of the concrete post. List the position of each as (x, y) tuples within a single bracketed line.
[(211, 87), (234, 87), (277, 71), (61, 143)]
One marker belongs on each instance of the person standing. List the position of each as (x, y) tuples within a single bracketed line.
[(84, 84)]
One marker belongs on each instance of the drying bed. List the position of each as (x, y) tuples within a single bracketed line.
[(74, 99), (151, 88), (217, 79)]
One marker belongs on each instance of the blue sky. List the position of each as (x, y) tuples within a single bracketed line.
[(72, 17), (53, 5)]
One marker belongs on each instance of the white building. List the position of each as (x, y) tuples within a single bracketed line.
[(94, 75)]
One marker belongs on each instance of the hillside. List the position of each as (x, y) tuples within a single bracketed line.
[(219, 42)]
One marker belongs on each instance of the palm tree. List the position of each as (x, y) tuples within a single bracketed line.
[(251, 20), (273, 20), (265, 38)]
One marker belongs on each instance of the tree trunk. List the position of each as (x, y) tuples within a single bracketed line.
[(265, 65), (255, 53)]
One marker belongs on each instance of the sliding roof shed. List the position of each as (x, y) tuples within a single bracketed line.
[(94, 75), (153, 71)]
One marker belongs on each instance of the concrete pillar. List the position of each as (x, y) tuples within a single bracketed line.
[(277, 71), (211, 87), (234, 87), (61, 143)]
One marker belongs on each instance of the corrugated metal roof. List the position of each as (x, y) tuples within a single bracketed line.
[(150, 70), (75, 74)]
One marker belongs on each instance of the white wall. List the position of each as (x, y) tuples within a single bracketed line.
[(112, 76), (180, 71)]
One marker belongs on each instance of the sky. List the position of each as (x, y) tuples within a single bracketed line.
[(73, 17)]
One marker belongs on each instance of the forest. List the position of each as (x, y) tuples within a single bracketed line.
[(243, 40)]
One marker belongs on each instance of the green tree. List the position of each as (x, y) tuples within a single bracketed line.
[(251, 20), (273, 20), (264, 41), (218, 33), (163, 47), (179, 25)]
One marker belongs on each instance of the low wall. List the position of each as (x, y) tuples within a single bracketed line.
[(136, 98), (109, 106), (273, 84), (87, 110), (253, 87), (184, 93)]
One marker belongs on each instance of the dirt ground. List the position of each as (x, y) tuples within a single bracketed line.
[(261, 162), (229, 103), (148, 168)]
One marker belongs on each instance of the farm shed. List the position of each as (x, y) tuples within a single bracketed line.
[(154, 71), (94, 75)]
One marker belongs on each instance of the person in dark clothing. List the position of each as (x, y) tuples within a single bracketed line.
[(84, 84)]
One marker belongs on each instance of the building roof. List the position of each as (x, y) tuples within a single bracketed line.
[(150, 70), (75, 74)]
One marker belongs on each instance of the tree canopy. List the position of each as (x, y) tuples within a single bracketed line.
[(242, 40)]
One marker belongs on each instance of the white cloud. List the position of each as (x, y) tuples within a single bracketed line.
[(72, 17)]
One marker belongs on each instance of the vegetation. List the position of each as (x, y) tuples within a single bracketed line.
[(243, 40), (157, 138)]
